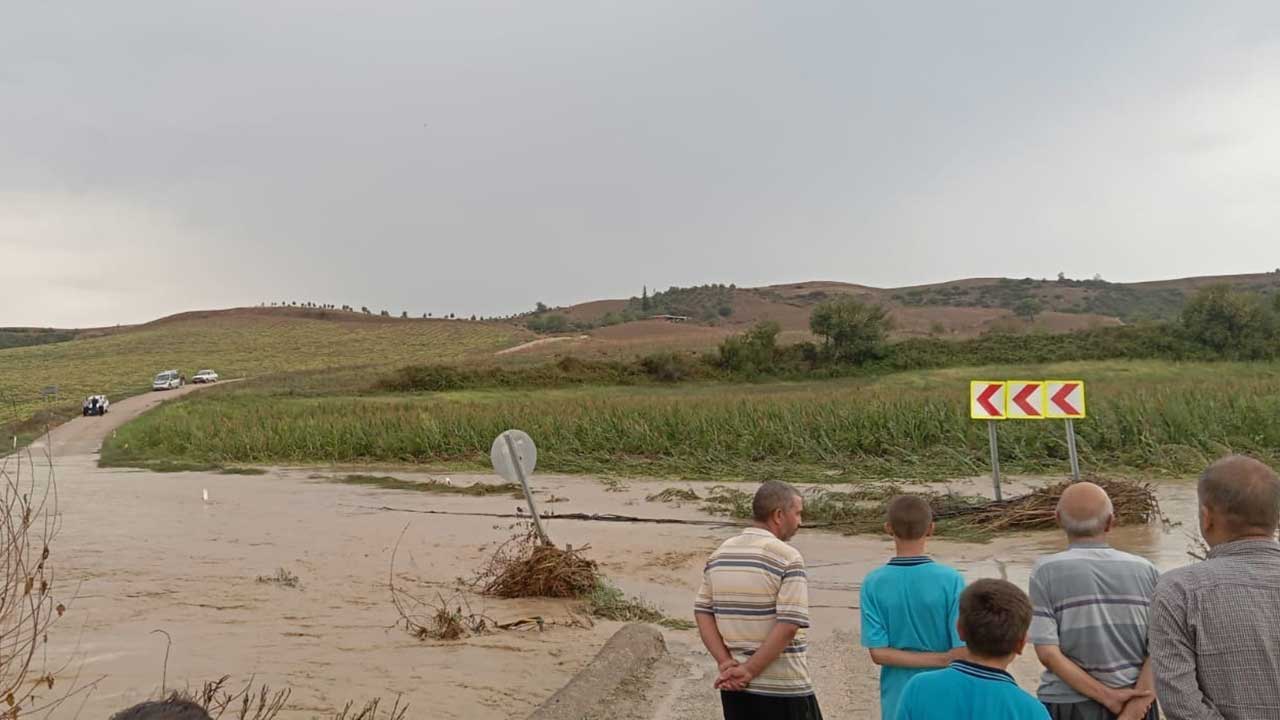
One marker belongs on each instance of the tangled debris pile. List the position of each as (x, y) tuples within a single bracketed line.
[(524, 567), (862, 510)]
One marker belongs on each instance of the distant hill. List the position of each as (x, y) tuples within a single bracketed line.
[(237, 342), (256, 340), (964, 308)]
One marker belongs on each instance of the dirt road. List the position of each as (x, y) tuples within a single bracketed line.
[(146, 552)]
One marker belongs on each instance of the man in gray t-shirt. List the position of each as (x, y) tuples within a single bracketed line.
[(1089, 623)]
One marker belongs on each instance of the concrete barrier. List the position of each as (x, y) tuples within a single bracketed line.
[(629, 652)]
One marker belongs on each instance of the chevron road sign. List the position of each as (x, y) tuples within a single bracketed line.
[(1065, 399), (1026, 400), (993, 400), (986, 399)]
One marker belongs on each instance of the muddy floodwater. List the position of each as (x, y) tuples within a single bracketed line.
[(143, 551)]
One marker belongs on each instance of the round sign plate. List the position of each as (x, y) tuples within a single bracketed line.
[(526, 455)]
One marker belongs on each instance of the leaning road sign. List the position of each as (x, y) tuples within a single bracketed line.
[(987, 399), (1024, 400), (1065, 399)]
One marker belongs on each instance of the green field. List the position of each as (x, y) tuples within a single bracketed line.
[(1145, 417), (236, 344)]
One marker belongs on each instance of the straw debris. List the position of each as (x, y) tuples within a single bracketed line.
[(524, 567), (675, 495), (862, 510)]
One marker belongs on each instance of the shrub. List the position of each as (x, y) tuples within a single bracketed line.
[(549, 323), (754, 351), (667, 366), (1230, 322), (852, 331)]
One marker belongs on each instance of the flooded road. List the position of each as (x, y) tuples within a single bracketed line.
[(144, 551)]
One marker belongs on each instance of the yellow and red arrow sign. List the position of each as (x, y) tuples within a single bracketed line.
[(1026, 399), (986, 399), (1065, 399)]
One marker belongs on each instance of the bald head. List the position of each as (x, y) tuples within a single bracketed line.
[(1243, 493), (1084, 510)]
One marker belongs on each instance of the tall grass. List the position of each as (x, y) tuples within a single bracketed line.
[(1146, 416)]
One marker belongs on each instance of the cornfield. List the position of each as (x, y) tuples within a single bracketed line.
[(896, 428)]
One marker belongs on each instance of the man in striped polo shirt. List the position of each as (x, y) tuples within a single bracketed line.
[(1089, 626), (752, 610)]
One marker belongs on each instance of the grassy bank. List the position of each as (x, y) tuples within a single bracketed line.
[(236, 344), (1148, 416)]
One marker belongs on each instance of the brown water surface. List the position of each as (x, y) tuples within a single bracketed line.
[(144, 551)]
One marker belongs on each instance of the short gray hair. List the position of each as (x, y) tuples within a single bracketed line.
[(772, 495), (1245, 491), (1085, 526)]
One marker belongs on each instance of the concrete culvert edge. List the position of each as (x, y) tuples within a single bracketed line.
[(629, 652)]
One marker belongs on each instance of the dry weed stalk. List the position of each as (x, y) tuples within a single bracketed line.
[(29, 522), (370, 711), (246, 704), (441, 619)]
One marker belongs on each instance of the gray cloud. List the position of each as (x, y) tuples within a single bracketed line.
[(475, 157)]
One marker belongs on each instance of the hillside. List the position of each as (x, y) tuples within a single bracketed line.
[(957, 309), (236, 343), (12, 337), (258, 340)]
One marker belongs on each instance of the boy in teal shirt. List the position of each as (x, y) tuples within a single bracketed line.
[(909, 606), (994, 618)]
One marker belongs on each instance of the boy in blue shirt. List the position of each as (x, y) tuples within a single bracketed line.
[(909, 606), (994, 618)]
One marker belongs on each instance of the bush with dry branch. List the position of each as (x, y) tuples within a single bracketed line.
[(29, 523), (440, 619)]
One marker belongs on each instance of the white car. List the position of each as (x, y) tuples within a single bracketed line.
[(205, 376), (167, 380)]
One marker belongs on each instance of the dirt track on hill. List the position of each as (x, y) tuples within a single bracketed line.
[(146, 552)]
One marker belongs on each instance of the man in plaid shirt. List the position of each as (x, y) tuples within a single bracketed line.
[(1215, 626)]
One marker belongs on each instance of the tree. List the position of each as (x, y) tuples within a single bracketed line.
[(550, 323), (753, 351), (1062, 277), (540, 308), (852, 331), (1230, 322), (364, 309), (384, 313), (644, 299), (404, 314), (1027, 308), (725, 310)]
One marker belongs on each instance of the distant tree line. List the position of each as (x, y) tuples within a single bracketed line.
[(1220, 322), (364, 310)]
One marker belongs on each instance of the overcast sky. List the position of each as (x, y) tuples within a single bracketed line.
[(478, 157)]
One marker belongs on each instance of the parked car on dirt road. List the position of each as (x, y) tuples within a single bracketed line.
[(205, 376), (95, 405), (167, 380)]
